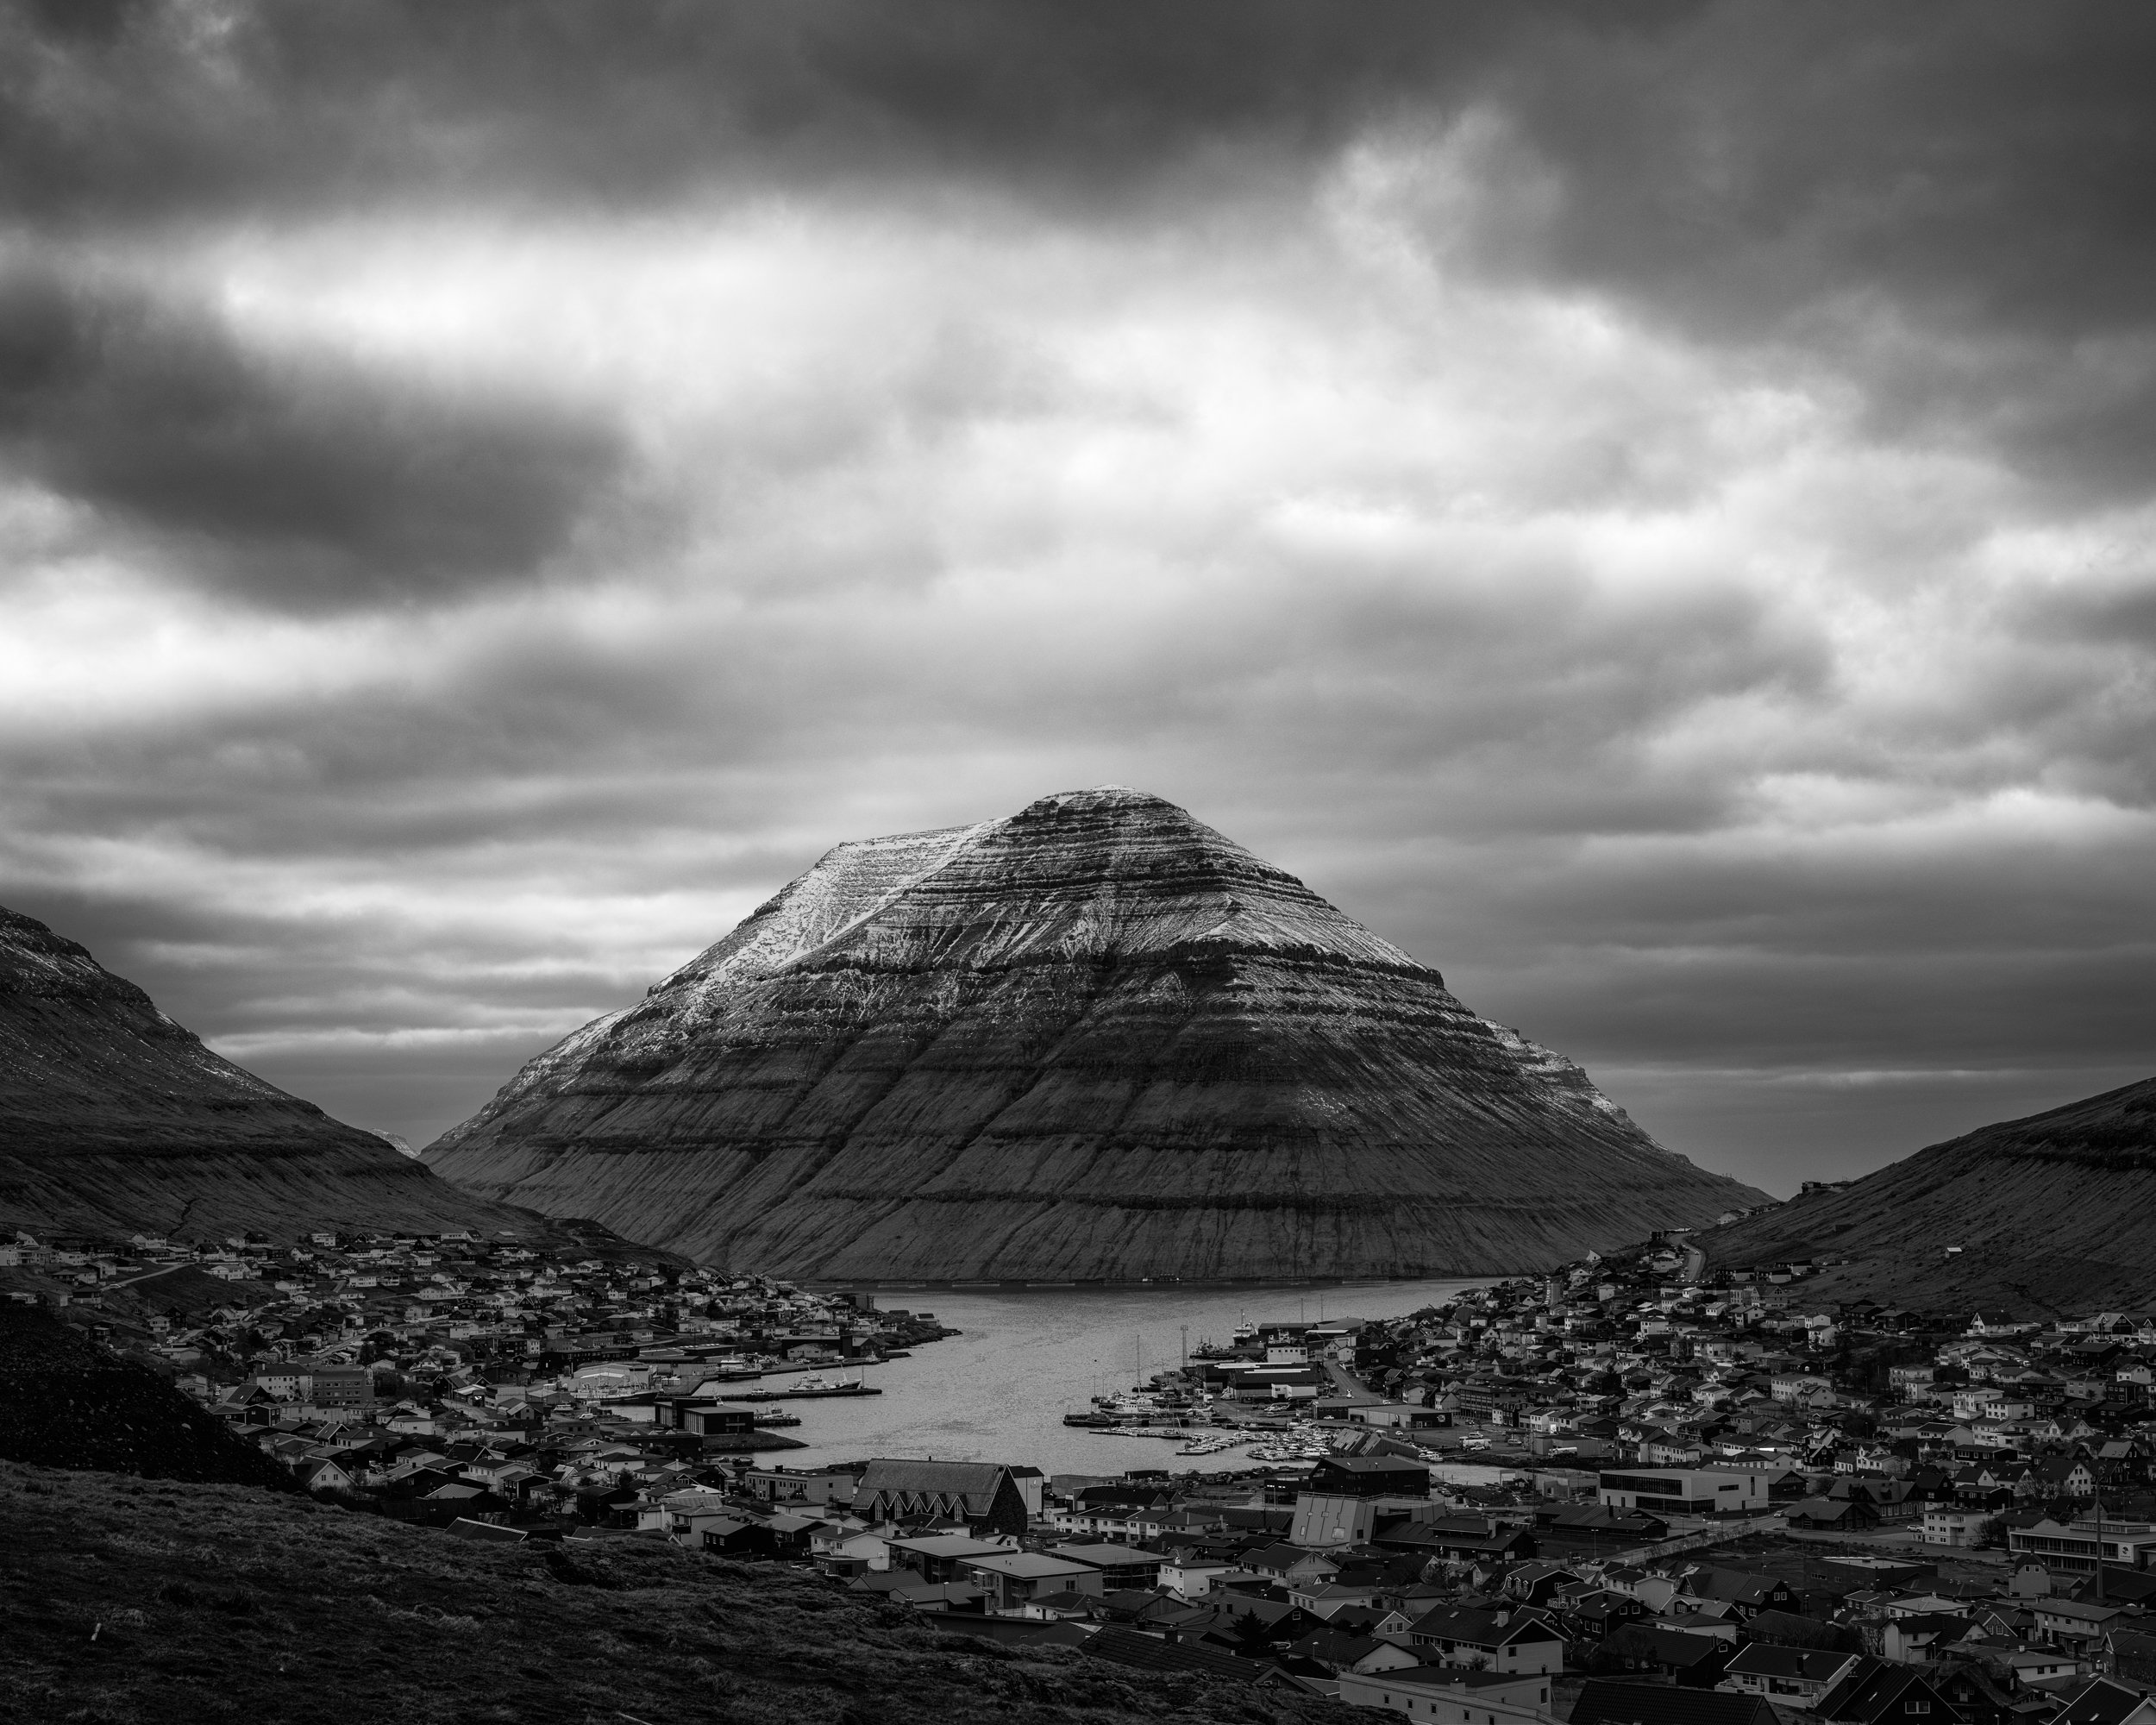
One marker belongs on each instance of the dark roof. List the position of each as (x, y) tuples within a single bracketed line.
[(964, 1478), (1602, 1516), (1449, 1676), (1606, 1603), (1763, 1660), (1267, 1611), (1111, 1496), (1286, 1556), (1872, 1686), (1830, 1510), (1540, 1568), (1740, 1587), (1684, 1650), (1330, 1647), (1481, 1628), (1147, 1653), (1605, 1703), (1931, 1624), (1131, 1599), (2102, 1702)]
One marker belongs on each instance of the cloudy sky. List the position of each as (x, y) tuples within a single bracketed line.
[(1653, 507)]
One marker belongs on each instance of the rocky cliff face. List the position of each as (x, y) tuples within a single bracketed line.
[(1093, 1040), (2056, 1212), (115, 1120)]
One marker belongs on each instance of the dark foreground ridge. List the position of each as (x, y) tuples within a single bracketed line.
[(1095, 1040), (218, 1602), (66, 1402), (114, 1121), (2051, 1214)]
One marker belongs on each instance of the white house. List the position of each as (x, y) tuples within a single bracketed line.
[(1445, 1694)]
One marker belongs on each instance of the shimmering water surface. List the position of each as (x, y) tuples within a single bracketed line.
[(998, 1390)]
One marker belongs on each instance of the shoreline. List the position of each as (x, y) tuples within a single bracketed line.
[(1146, 1284)]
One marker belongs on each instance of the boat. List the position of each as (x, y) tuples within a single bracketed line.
[(811, 1386), (774, 1418), (732, 1368)]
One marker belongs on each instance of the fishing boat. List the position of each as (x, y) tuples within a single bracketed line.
[(811, 1386)]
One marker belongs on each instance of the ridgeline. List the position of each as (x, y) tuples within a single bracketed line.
[(2051, 1214)]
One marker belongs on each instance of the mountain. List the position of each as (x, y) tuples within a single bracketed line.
[(115, 1120), (2056, 1212), (1092, 1040), (392, 1139)]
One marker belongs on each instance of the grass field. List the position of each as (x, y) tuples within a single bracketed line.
[(150, 1603)]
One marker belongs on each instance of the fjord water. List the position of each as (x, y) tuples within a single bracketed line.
[(998, 1391)]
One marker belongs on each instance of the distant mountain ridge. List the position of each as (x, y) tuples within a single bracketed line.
[(115, 1120), (1091, 1040), (2052, 1213)]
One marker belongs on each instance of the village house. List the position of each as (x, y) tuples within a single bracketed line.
[(1447, 1696), (980, 1496), (1787, 1677), (1500, 1640)]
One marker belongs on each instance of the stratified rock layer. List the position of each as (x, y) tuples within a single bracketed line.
[(2055, 1213), (115, 1120), (1093, 1040)]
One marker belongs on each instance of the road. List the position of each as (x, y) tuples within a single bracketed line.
[(1346, 1382)]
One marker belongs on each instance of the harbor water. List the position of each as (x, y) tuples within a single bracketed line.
[(998, 1391)]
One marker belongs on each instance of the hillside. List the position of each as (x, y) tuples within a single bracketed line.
[(115, 1120), (1092, 1040), (130, 1601), (2053, 1213), (66, 1402)]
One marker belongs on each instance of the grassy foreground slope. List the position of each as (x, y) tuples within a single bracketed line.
[(131, 1599), (66, 1402)]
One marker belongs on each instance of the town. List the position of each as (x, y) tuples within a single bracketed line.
[(1634, 1491), (405, 1337)]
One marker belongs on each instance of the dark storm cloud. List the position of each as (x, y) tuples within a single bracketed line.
[(1954, 204), (1996, 161), (1742, 158), (167, 109), (297, 481)]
